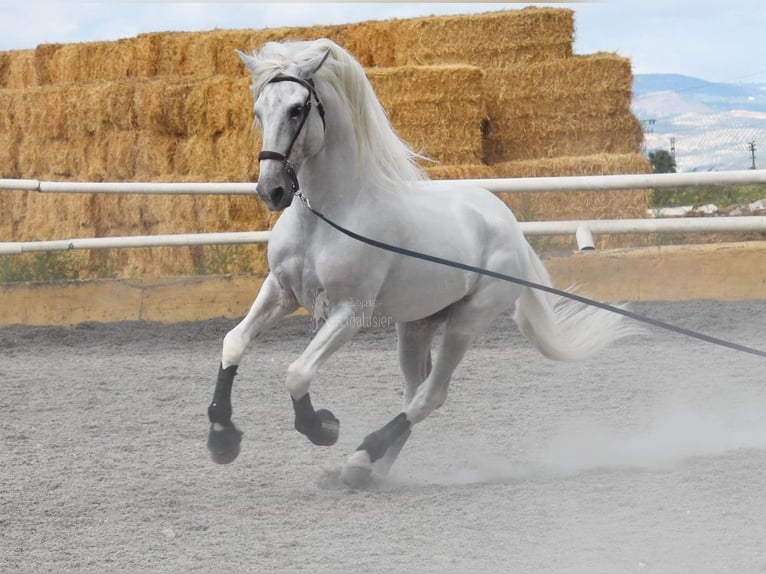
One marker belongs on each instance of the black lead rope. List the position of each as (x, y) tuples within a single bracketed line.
[(533, 285)]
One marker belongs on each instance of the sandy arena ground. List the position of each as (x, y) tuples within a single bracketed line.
[(648, 458)]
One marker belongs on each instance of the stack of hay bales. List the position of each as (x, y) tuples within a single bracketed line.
[(490, 95)]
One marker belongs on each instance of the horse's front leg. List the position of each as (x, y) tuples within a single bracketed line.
[(271, 304), (321, 427)]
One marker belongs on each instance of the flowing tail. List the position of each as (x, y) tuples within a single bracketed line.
[(563, 329)]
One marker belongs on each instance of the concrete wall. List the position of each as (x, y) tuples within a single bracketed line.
[(730, 271)]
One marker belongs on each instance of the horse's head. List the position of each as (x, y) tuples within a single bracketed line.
[(291, 80), (290, 113)]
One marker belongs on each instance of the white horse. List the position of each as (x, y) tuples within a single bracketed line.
[(327, 138)]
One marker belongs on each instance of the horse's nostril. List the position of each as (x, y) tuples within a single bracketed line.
[(277, 194)]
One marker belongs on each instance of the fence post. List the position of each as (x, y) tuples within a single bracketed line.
[(584, 238)]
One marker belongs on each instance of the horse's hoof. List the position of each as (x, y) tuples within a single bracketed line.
[(223, 442), (356, 476), (326, 429)]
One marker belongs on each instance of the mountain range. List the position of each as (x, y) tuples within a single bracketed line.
[(711, 125)]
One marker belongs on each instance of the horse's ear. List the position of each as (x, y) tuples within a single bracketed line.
[(310, 67), (247, 60)]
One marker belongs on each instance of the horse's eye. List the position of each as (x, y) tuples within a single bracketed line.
[(296, 112)]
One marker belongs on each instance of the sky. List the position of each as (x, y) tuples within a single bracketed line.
[(715, 40)]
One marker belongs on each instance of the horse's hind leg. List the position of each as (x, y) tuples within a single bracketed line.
[(414, 345), (271, 304), (414, 340), (465, 320)]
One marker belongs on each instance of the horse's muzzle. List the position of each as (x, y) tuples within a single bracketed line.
[(276, 198)]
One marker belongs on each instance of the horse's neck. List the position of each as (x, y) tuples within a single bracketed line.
[(332, 179)]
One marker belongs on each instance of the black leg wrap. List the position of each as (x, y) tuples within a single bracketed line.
[(220, 410), (223, 443), (376, 444), (321, 427)]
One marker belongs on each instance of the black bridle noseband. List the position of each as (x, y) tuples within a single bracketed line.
[(284, 157)]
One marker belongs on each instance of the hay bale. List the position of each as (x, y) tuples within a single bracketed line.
[(438, 110), (461, 171), (9, 160), (131, 130), (575, 106), (5, 67), (565, 135), (580, 204), (21, 69), (87, 61), (201, 128), (485, 40), (177, 107)]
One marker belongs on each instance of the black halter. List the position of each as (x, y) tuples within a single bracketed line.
[(284, 157)]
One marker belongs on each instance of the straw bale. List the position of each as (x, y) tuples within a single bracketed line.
[(562, 205), (27, 109), (461, 171), (42, 62), (133, 215), (565, 135), (236, 154), (171, 114), (617, 204), (9, 161), (94, 107), (21, 69), (220, 45), (577, 106), (182, 106), (598, 164), (154, 157), (72, 63), (485, 40), (229, 156), (109, 160), (177, 107), (154, 54), (12, 223), (131, 129), (5, 67), (41, 216), (9, 104), (438, 110), (580, 204)]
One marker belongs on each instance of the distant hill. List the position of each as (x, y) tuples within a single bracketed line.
[(712, 123), (694, 87)]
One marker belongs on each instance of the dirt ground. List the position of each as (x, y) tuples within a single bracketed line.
[(648, 458)]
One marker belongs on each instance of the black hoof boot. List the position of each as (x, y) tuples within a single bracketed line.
[(223, 444), (321, 427), (326, 429)]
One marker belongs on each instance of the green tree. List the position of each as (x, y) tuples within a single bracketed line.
[(662, 161)]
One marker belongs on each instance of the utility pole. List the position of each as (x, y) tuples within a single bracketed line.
[(751, 147), (673, 147), (647, 127)]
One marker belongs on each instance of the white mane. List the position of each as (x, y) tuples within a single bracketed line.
[(381, 153)]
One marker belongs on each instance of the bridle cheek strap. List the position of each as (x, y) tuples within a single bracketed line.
[(289, 169)]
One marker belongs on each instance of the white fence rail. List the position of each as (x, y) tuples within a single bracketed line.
[(515, 185), (582, 229)]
